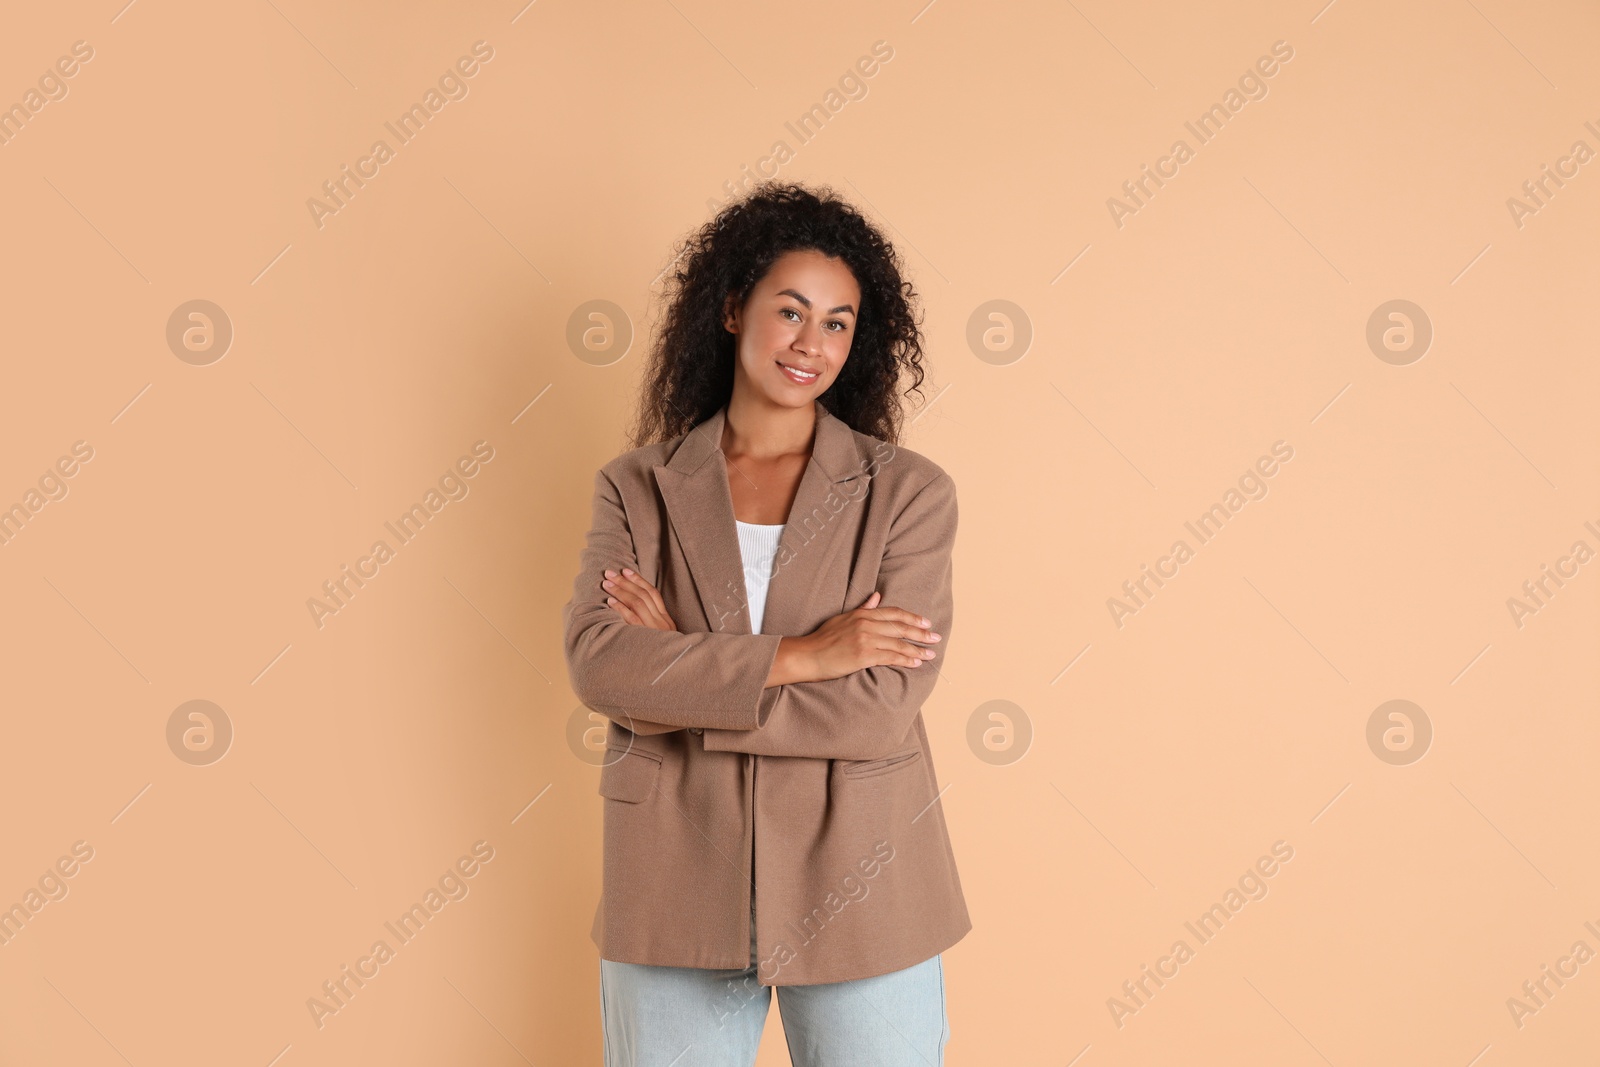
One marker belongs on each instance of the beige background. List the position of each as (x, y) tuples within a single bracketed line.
[(1166, 355)]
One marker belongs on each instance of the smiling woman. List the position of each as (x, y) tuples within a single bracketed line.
[(788, 730)]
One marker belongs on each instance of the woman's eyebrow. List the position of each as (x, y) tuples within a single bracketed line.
[(807, 303)]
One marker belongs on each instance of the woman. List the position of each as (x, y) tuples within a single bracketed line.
[(760, 603)]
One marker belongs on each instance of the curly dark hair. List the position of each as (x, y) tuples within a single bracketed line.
[(689, 374)]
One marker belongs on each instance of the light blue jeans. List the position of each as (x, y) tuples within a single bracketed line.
[(696, 1017)]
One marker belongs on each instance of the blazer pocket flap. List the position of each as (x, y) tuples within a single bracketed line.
[(867, 768), (629, 776)]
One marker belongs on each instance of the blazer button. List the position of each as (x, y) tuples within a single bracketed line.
[(697, 731)]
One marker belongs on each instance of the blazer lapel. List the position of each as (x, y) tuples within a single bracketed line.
[(694, 488)]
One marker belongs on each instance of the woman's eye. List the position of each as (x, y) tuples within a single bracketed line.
[(832, 322)]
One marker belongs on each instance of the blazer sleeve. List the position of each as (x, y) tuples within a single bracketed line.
[(868, 714), (647, 680)]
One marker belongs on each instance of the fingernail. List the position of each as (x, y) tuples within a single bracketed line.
[(606, 583), (935, 637), (926, 623), (626, 571), (610, 573)]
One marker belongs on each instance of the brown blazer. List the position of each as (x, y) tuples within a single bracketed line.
[(818, 797)]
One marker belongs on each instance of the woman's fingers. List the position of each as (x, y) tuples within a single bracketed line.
[(637, 600), (902, 654), (624, 593), (650, 591), (883, 644), (910, 618), (900, 623), (894, 630), (626, 612), (640, 590)]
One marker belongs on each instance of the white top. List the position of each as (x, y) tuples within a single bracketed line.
[(758, 547)]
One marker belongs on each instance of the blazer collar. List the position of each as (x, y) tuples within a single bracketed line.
[(694, 487)]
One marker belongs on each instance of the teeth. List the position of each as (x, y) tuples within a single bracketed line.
[(797, 371)]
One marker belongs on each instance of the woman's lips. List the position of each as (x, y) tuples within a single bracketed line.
[(795, 376)]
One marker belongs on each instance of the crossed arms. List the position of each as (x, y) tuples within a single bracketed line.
[(655, 681)]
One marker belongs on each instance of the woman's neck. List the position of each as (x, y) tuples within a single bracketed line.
[(765, 432)]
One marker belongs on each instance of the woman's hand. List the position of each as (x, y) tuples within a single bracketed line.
[(636, 600), (869, 636)]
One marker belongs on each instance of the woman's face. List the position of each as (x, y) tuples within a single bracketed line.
[(800, 318)]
